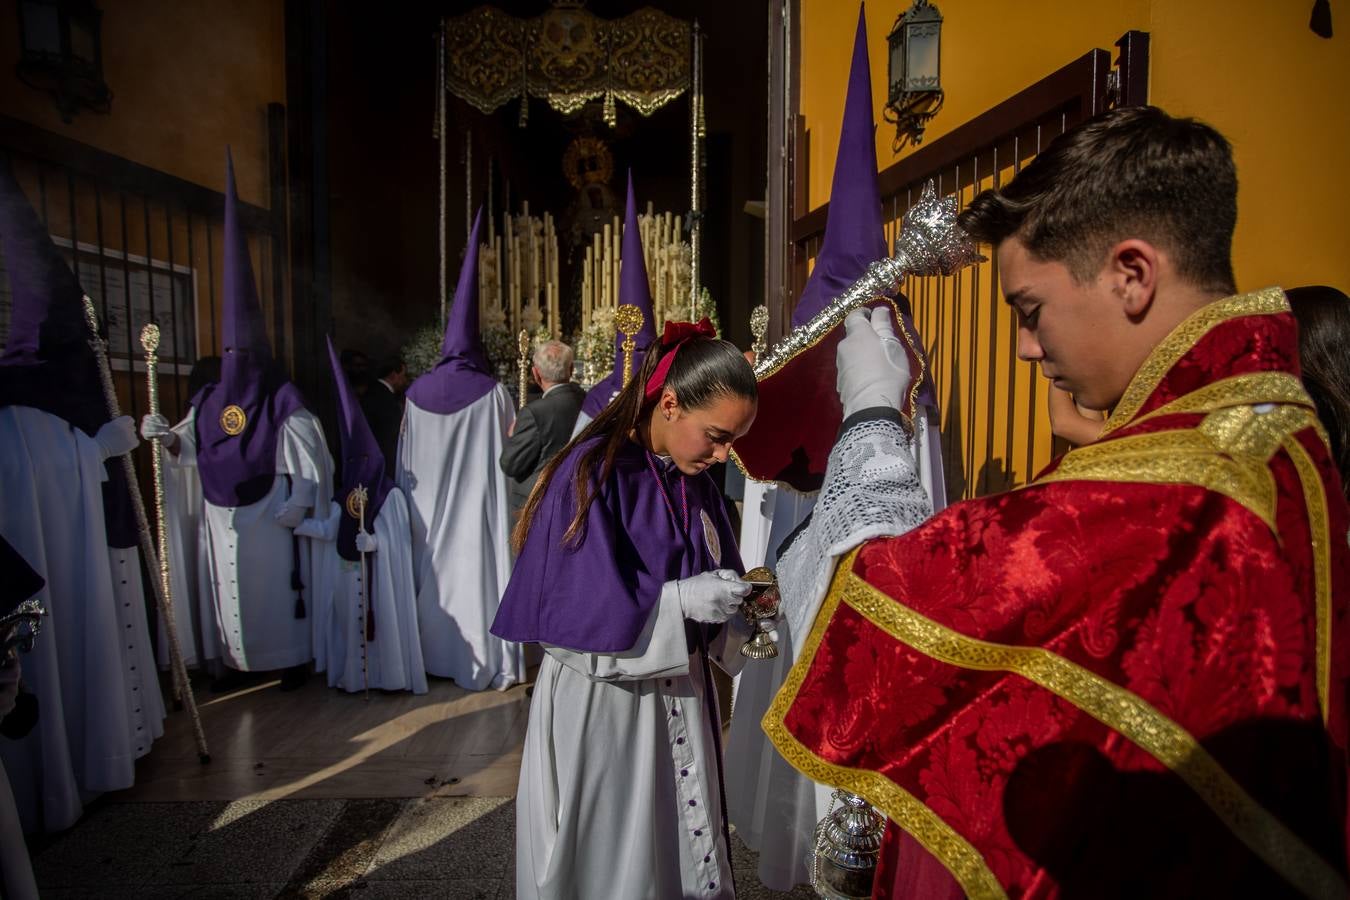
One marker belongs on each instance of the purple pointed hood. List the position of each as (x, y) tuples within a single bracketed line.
[(362, 462), (636, 290), (463, 375), (853, 232), (238, 463), (854, 237), (48, 363)]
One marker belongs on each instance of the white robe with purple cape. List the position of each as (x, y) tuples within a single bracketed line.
[(249, 558), (461, 552), (620, 790), (393, 658)]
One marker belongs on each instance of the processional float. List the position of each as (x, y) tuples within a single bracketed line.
[(568, 57)]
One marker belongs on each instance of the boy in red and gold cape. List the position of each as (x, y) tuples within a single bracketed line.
[(1127, 678)]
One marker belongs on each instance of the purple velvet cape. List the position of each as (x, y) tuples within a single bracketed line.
[(597, 597)]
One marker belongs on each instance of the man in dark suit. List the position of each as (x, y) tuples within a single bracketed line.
[(544, 426), (383, 405)]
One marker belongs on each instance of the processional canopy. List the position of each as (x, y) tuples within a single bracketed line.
[(568, 57)]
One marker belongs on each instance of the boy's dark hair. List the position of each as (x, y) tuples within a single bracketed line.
[(1131, 172)]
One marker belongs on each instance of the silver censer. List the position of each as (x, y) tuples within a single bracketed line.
[(760, 607), (848, 843)]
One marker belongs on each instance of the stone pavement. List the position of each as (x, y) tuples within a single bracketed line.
[(257, 849)]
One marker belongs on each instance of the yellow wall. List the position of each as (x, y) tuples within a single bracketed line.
[(187, 76), (1256, 73)]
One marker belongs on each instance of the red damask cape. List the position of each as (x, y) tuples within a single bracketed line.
[(1127, 678)]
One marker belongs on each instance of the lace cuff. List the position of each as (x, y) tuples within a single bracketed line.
[(871, 490)]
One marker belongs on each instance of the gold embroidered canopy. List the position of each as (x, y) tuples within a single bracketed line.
[(567, 57)]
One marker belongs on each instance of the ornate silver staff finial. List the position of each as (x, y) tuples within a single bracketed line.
[(930, 243)]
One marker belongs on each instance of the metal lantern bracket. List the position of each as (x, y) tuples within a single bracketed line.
[(61, 52), (914, 70)]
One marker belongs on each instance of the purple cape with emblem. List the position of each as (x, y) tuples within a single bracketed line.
[(463, 374), (238, 470), (597, 597), (635, 289), (48, 363), (362, 462), (854, 237)]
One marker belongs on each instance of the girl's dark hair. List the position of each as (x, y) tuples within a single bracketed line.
[(705, 370), (1323, 315)]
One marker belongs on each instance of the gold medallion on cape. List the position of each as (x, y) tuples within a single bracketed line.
[(710, 538), (355, 504), (232, 420)]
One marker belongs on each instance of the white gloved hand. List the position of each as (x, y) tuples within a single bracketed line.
[(365, 542), (290, 516), (872, 366), (711, 596), (156, 427), (117, 437), (153, 426), (311, 528)]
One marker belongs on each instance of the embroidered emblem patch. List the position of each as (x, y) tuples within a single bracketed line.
[(710, 538), (232, 420)]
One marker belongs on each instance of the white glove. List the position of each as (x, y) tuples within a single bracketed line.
[(156, 427), (311, 528), (117, 437), (153, 426), (872, 366), (290, 516), (711, 596), (365, 542)]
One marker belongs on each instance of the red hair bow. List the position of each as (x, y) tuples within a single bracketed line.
[(675, 334)]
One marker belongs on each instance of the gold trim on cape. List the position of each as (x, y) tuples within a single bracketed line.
[(1265, 302), (1319, 530), (1114, 706), (959, 856), (233, 420)]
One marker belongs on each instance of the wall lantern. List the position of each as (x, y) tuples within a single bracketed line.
[(914, 70), (61, 52)]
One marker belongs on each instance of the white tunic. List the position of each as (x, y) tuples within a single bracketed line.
[(619, 794), (145, 703), (84, 743), (393, 660), (872, 488), (461, 553), (249, 557)]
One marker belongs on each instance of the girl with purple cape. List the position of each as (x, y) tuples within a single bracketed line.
[(627, 578)]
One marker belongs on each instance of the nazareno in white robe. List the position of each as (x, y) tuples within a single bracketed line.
[(394, 658), (248, 557), (873, 488), (86, 740), (461, 555), (618, 794)]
